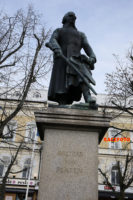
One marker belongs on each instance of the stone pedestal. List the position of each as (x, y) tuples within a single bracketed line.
[(70, 153)]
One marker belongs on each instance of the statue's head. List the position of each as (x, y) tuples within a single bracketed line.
[(69, 17)]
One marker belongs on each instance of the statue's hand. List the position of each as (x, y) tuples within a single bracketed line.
[(57, 52), (92, 61)]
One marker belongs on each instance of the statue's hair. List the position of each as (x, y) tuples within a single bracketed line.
[(66, 15)]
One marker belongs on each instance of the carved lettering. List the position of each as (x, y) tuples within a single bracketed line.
[(64, 170), (70, 153), (70, 162)]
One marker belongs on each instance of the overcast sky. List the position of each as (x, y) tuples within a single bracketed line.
[(108, 25)]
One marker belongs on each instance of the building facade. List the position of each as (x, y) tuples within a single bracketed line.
[(116, 147), (23, 178)]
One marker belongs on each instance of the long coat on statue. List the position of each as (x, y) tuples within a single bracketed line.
[(65, 83)]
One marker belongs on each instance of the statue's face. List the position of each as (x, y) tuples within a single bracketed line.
[(71, 17)]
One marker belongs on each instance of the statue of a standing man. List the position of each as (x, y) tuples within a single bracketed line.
[(66, 85)]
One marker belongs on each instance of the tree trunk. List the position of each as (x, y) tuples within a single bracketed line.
[(3, 188), (122, 195), (3, 184)]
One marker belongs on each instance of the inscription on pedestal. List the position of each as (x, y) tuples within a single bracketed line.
[(70, 162), (70, 153)]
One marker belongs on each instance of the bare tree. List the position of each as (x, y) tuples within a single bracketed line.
[(124, 176), (8, 171), (23, 57), (119, 85), (15, 151), (24, 63)]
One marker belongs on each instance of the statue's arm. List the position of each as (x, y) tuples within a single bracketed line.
[(87, 48), (53, 42)]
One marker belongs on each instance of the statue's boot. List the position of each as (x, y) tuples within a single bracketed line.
[(62, 102), (88, 98), (62, 99), (91, 100)]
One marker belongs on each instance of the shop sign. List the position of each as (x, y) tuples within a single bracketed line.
[(19, 182), (106, 187), (116, 188), (9, 198)]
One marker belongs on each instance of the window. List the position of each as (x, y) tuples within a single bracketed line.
[(17, 94), (114, 175), (4, 162), (113, 133), (131, 103), (1, 169), (26, 168), (30, 132), (10, 130), (131, 139), (37, 95)]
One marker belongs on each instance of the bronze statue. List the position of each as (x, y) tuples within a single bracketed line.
[(71, 75)]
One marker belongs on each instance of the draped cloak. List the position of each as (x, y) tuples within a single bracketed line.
[(65, 83)]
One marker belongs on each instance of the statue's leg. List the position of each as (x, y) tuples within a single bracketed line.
[(62, 99), (86, 94)]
